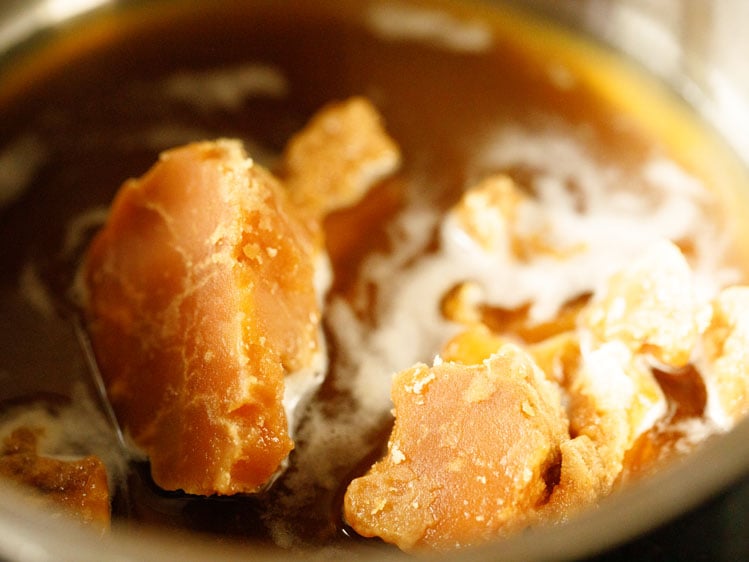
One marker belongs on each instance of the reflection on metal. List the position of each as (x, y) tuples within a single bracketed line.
[(19, 19), (697, 48)]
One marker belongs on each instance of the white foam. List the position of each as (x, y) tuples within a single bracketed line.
[(437, 28), (606, 220), (228, 88), (695, 431)]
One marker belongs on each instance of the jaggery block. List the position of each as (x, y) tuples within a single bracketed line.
[(469, 456), (200, 299)]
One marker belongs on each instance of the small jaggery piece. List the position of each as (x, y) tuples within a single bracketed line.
[(557, 356), (487, 213), (463, 303), (585, 477), (651, 307), (468, 457), (601, 394), (472, 346), (77, 487), (466, 304), (200, 299), (505, 223), (726, 357), (518, 322), (647, 308), (338, 156)]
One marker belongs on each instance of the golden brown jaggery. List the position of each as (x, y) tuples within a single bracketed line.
[(333, 161), (200, 298), (468, 457)]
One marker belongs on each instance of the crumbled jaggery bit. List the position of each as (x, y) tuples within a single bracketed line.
[(505, 223), (487, 213), (338, 156), (79, 487), (201, 297), (468, 455), (472, 346), (558, 356), (726, 357), (613, 400), (651, 307), (584, 478), (611, 383), (463, 303)]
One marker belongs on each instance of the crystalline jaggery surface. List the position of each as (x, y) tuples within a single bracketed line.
[(468, 456), (200, 299), (333, 161), (651, 306)]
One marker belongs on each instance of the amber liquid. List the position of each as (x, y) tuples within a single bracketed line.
[(92, 99)]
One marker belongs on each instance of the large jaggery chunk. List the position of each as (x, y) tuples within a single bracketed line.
[(468, 457), (200, 299), (76, 487)]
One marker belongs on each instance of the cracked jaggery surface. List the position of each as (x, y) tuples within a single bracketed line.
[(333, 161), (200, 298), (468, 456)]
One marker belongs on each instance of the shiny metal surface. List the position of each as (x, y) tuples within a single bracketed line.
[(695, 47), (699, 49), (21, 19)]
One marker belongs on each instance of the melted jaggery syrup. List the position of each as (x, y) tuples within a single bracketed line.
[(92, 104)]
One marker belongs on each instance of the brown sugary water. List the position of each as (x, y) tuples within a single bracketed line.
[(481, 90)]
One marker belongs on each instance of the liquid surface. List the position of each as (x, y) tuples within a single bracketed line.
[(472, 92)]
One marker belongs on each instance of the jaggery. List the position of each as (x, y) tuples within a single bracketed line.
[(469, 456), (200, 299)]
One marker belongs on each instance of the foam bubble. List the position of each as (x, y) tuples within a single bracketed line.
[(226, 89), (436, 28)]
